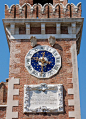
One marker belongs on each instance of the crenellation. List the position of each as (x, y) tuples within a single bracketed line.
[(46, 11)]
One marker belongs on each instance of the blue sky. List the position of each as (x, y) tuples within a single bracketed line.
[(5, 55)]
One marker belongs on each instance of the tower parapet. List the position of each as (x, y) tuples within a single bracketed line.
[(59, 10)]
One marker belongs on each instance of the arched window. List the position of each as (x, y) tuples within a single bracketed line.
[(42, 2)]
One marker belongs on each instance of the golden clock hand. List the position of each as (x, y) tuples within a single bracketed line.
[(43, 54), (36, 58), (47, 62), (41, 69)]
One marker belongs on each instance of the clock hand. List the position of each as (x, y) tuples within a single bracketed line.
[(36, 58), (42, 69), (43, 54), (48, 62)]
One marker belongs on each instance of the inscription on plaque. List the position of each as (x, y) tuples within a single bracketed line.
[(43, 98)]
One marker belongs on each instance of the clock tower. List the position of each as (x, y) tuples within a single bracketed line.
[(44, 40)]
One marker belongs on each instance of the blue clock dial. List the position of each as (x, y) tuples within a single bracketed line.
[(43, 61)]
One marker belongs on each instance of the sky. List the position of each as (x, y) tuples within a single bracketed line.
[(5, 55)]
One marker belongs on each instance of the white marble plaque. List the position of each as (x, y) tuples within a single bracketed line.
[(43, 98)]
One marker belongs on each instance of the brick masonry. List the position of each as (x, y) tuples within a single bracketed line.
[(63, 47), (3, 113)]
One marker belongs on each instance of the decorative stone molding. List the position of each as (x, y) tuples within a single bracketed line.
[(10, 102), (31, 7), (35, 97), (52, 40), (43, 7), (33, 41)]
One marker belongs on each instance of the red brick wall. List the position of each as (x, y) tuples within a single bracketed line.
[(64, 29), (58, 1), (3, 113), (35, 30), (50, 30), (63, 47), (21, 2), (22, 30)]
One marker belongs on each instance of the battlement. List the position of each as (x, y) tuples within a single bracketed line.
[(46, 11)]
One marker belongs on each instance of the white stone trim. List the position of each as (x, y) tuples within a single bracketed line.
[(71, 102), (51, 20), (44, 36), (12, 29), (3, 105), (58, 28), (72, 114), (10, 102), (42, 28), (16, 92), (73, 28), (27, 28), (70, 91), (76, 101)]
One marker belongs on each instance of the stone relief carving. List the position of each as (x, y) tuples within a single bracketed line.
[(33, 41), (52, 40), (33, 98)]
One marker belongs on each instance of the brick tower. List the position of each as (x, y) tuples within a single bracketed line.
[(44, 41)]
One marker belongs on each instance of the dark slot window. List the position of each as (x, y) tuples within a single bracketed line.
[(64, 30), (22, 30), (42, 2)]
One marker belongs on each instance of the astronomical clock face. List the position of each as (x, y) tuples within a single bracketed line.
[(43, 61)]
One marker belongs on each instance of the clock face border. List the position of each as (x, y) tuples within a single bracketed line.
[(36, 73)]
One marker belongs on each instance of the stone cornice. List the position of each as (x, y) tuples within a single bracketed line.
[(48, 22)]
